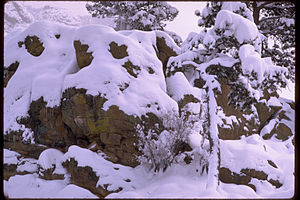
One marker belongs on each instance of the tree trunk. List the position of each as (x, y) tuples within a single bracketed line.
[(256, 10), (213, 136)]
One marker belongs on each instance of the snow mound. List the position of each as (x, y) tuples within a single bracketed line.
[(49, 158)]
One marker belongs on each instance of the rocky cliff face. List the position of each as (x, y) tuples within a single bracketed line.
[(101, 86)]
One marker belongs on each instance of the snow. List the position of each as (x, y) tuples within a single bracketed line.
[(236, 6), (252, 61), (257, 151), (178, 181), (49, 158), (10, 157), (30, 186), (105, 170), (178, 86), (243, 29), (27, 165), (49, 74)]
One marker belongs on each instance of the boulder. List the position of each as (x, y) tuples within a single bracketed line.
[(33, 45)]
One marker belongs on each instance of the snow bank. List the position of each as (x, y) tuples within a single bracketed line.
[(178, 86)]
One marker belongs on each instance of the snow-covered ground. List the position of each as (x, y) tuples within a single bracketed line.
[(179, 181)]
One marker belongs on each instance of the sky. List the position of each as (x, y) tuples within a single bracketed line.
[(186, 21), (183, 24)]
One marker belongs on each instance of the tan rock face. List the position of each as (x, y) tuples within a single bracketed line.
[(33, 45), (9, 72), (112, 130), (83, 57), (164, 52), (14, 141), (118, 51), (249, 126), (48, 127)]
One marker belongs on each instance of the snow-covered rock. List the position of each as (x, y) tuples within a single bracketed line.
[(74, 83)]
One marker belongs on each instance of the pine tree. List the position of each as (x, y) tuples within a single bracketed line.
[(141, 15), (274, 20), (227, 51)]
